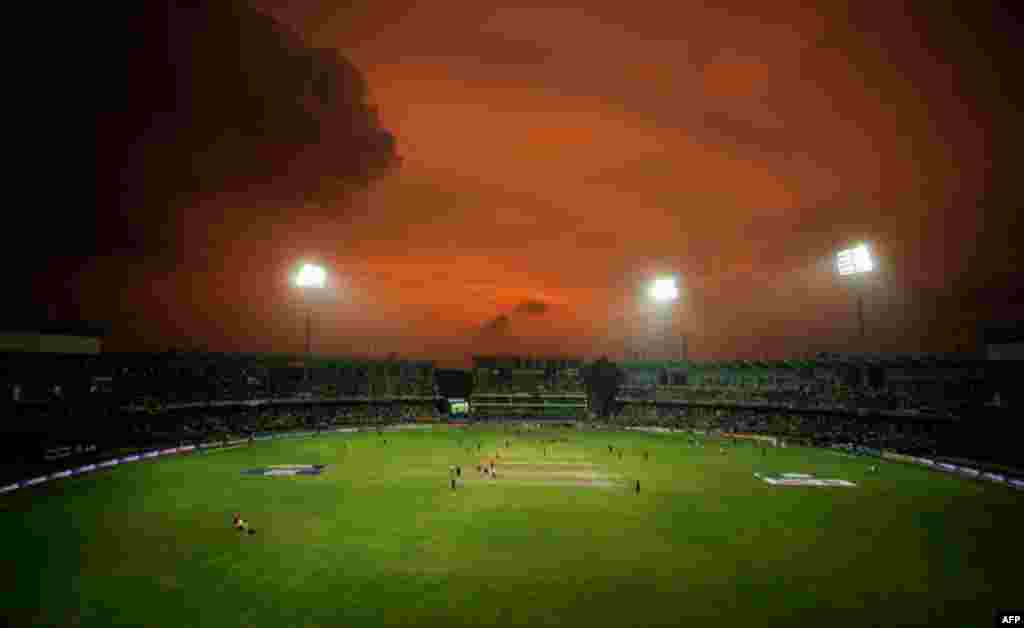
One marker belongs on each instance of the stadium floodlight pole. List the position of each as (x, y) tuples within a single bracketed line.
[(665, 290), (310, 276), (856, 262), (860, 316)]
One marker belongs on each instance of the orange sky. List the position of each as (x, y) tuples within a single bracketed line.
[(565, 155)]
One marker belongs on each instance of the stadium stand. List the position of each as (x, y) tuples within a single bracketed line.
[(83, 405)]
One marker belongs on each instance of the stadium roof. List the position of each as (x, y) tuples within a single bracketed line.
[(61, 328), (1003, 333)]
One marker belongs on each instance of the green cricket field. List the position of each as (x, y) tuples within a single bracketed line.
[(559, 535)]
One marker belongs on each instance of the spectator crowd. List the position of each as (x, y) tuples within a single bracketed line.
[(236, 423), (822, 430), (836, 397)]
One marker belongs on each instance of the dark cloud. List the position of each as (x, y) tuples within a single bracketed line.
[(497, 326), (532, 307), (516, 330), (216, 103)]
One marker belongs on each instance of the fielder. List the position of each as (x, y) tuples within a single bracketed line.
[(241, 524)]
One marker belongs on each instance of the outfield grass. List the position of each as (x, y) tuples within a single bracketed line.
[(380, 539)]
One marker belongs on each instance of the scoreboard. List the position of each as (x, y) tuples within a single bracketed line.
[(458, 407)]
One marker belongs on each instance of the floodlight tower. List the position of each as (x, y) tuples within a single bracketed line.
[(854, 263), (310, 277), (665, 290)]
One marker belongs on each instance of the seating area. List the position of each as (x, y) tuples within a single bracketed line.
[(142, 400), (821, 430), (915, 384), (207, 426), (805, 396)]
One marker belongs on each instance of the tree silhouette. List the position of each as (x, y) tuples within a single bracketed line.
[(603, 379)]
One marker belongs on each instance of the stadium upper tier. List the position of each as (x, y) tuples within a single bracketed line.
[(891, 383), (174, 377), (517, 374)]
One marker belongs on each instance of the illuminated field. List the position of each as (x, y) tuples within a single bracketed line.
[(560, 537)]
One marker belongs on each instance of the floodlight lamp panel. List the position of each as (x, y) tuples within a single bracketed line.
[(846, 263), (854, 261), (311, 276), (862, 259), (664, 290)]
